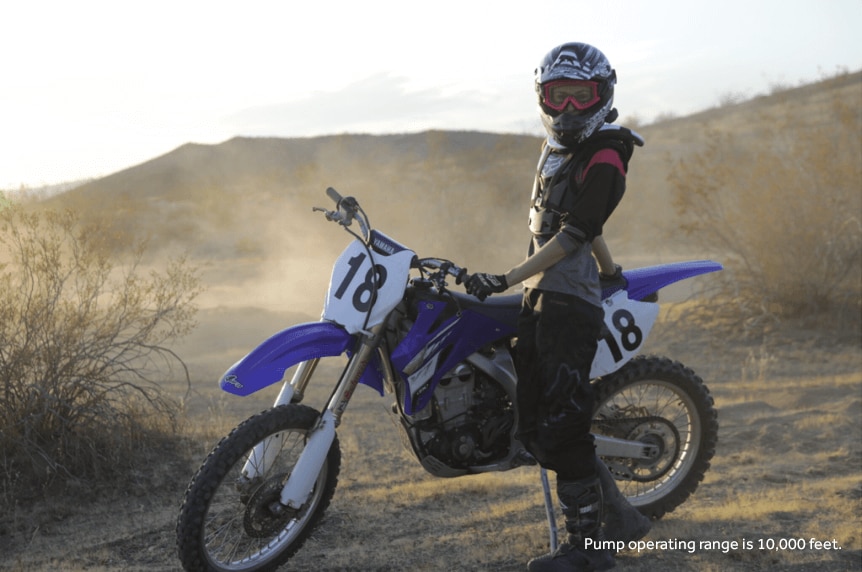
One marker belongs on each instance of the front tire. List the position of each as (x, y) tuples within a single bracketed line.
[(229, 522), (665, 404)]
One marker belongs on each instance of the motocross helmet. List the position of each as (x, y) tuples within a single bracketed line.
[(575, 86)]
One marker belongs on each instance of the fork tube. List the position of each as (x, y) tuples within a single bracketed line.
[(353, 372), (294, 391)]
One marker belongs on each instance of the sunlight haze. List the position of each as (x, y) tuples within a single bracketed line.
[(92, 87)]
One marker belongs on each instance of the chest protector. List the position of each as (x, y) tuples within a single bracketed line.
[(556, 191)]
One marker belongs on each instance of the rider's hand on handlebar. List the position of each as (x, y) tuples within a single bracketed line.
[(612, 280), (482, 285), (618, 273)]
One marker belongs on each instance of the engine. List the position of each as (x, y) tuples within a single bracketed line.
[(467, 423)]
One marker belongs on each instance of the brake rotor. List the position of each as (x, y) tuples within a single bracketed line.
[(265, 516)]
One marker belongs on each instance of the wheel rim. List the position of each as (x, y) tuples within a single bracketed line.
[(658, 413), (240, 531)]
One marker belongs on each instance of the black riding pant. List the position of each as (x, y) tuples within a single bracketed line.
[(557, 340)]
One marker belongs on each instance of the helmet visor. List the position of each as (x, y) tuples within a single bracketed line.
[(582, 94)]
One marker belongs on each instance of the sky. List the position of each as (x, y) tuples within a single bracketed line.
[(91, 87)]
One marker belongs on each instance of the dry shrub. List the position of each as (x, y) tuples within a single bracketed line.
[(81, 341), (782, 208)]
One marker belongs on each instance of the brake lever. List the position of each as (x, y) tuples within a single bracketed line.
[(332, 216), (343, 216)]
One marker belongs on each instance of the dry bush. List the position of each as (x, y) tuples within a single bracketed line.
[(81, 340), (783, 205)]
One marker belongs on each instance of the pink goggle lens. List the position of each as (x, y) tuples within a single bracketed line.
[(582, 94)]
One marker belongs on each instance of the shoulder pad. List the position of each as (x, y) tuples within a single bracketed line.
[(621, 139), (624, 134)]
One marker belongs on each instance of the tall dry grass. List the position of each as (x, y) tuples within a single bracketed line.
[(82, 343), (785, 205)]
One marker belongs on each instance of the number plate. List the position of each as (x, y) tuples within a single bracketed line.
[(627, 325), (353, 295)]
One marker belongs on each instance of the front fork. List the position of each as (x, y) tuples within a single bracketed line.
[(308, 466), (265, 452)]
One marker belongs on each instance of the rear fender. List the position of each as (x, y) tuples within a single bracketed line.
[(645, 281), (267, 363)]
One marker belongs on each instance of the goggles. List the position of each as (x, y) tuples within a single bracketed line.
[(582, 94)]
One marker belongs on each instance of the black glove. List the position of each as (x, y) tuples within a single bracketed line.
[(618, 273), (613, 280), (482, 285)]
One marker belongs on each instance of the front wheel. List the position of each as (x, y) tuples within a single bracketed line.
[(230, 522), (666, 405)]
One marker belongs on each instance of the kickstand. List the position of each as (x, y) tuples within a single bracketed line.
[(549, 509)]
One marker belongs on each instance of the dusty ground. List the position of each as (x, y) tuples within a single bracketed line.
[(788, 468)]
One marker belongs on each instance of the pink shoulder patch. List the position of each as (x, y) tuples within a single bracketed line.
[(607, 157)]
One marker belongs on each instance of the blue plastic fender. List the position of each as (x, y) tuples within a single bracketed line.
[(267, 363), (644, 281)]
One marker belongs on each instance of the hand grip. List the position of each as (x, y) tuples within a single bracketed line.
[(333, 194)]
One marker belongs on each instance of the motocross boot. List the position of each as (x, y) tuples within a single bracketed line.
[(622, 521), (581, 502)]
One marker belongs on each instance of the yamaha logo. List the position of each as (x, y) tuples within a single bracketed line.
[(384, 246)]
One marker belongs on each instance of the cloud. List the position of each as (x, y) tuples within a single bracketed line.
[(382, 103)]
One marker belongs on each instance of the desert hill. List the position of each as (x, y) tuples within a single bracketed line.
[(223, 200), (247, 195)]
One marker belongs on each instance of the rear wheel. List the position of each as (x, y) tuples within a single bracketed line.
[(229, 522), (665, 404)]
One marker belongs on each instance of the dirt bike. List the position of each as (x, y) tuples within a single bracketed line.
[(448, 360)]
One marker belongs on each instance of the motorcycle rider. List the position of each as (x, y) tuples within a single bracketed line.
[(580, 179)]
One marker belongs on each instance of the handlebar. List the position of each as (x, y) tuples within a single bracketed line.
[(346, 210), (444, 267)]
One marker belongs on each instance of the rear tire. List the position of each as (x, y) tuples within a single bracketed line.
[(227, 522), (664, 403)]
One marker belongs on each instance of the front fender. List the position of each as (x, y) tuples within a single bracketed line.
[(267, 363)]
